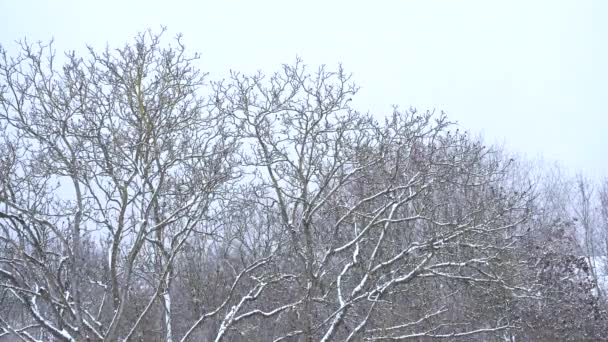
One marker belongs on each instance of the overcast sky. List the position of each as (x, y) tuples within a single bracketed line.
[(530, 73)]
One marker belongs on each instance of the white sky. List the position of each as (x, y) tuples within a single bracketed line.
[(530, 73)]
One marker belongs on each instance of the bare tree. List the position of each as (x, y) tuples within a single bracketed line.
[(121, 148), (373, 212), (585, 215)]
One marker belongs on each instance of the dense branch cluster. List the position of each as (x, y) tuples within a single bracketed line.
[(138, 201)]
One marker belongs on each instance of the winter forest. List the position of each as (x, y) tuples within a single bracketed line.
[(142, 200)]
